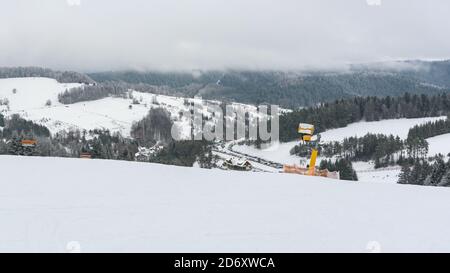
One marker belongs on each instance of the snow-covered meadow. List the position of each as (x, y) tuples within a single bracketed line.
[(61, 205), (114, 114), (439, 145)]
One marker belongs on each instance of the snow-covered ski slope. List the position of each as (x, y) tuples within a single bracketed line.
[(116, 206)]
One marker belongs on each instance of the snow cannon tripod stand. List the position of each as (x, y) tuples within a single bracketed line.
[(306, 132)]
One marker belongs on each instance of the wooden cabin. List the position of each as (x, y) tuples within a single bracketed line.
[(306, 171), (85, 155), (28, 142)]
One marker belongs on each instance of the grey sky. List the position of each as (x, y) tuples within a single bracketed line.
[(215, 34)]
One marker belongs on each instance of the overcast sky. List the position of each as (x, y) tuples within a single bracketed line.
[(92, 35)]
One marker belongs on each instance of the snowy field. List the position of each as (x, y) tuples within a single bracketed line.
[(32, 93), (107, 113), (367, 173), (439, 145), (396, 127), (113, 206)]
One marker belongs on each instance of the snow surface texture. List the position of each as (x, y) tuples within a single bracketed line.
[(367, 173), (116, 206), (439, 145)]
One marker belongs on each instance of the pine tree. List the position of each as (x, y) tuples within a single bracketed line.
[(445, 180), (15, 147), (405, 175)]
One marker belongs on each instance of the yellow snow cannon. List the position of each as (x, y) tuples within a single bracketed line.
[(305, 129), (306, 132)]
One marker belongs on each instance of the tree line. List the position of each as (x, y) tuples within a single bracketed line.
[(430, 129), (15, 125), (287, 89), (383, 150), (422, 172), (341, 165), (340, 113), (92, 92), (60, 76)]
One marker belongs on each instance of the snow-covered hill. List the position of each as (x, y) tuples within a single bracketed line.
[(439, 145), (56, 204), (114, 113), (31, 93)]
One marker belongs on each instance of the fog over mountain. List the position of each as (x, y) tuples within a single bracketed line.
[(93, 35)]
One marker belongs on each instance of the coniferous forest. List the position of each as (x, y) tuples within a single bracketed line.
[(340, 113)]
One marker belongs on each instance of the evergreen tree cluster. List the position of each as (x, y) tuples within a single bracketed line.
[(98, 143), (422, 172), (15, 147), (287, 89), (430, 129), (156, 127), (343, 166), (157, 78), (60, 76), (383, 150), (93, 92), (186, 153), (17, 126), (102, 144), (2, 120), (343, 112), (153, 128)]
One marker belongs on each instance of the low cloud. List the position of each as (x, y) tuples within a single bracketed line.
[(92, 35)]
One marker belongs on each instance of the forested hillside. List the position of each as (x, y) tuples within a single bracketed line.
[(60, 76), (343, 112), (435, 72), (291, 89), (287, 89)]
